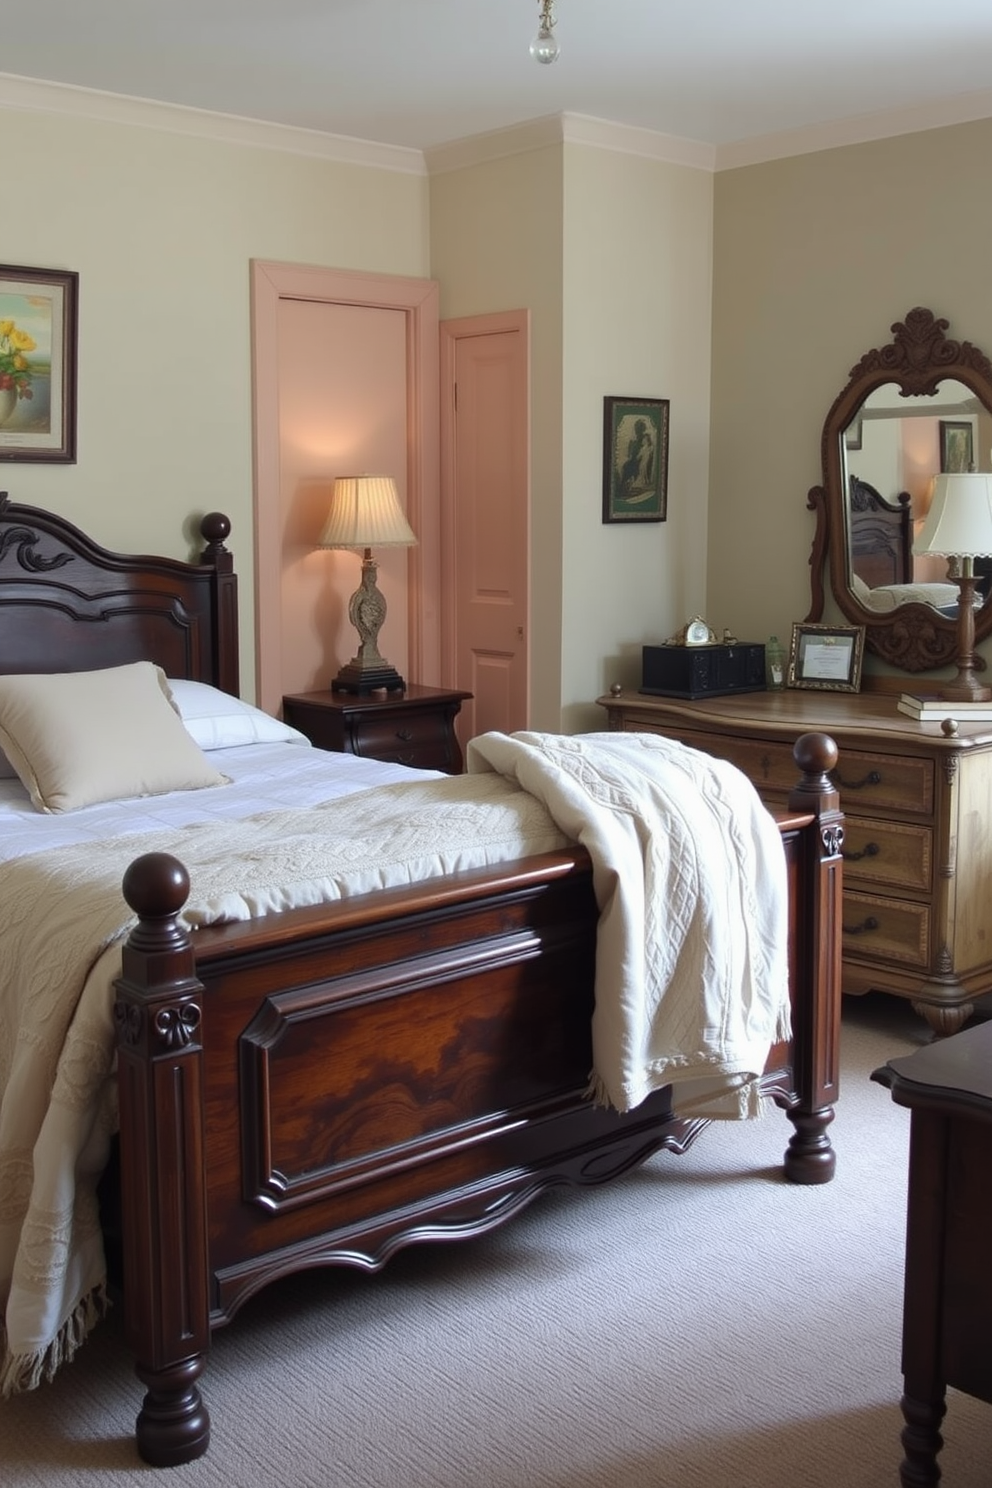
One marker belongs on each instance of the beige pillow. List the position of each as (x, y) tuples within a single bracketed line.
[(76, 738)]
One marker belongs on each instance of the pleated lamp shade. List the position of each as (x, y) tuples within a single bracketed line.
[(366, 513)]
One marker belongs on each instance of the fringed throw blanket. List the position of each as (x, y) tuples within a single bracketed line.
[(671, 928)]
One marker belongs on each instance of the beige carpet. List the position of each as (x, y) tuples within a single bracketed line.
[(700, 1324)]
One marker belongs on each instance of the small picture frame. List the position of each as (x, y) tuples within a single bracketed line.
[(635, 459), (957, 447), (826, 657), (38, 319)]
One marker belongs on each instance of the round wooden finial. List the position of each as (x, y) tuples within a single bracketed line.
[(949, 727), (616, 690), (156, 885), (215, 527), (815, 754)]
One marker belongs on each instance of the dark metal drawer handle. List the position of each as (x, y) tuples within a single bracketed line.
[(870, 850), (869, 924), (404, 734), (872, 778)]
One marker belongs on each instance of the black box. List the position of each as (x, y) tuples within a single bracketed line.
[(703, 671)]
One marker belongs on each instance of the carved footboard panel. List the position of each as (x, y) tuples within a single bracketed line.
[(324, 1086)]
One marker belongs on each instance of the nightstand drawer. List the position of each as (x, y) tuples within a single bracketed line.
[(888, 854), (422, 740)]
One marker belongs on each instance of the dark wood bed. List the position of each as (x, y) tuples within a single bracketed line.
[(327, 1085), (881, 536)]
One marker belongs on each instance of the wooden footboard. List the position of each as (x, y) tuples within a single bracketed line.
[(325, 1086)]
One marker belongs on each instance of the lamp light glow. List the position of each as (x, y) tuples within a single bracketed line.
[(959, 526), (365, 513)]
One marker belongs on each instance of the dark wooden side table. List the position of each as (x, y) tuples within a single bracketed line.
[(947, 1310), (414, 727)]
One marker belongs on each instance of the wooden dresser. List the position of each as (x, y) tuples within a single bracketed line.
[(918, 828)]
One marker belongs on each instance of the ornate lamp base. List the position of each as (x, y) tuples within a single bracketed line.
[(368, 671), (355, 678)]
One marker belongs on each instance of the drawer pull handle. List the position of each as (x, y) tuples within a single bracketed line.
[(869, 924), (872, 778), (870, 850), (404, 734)]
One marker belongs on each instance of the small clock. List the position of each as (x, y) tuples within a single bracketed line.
[(695, 632)]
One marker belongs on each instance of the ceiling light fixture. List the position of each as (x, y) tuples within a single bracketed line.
[(544, 47)]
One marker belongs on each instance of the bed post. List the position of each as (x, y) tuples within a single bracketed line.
[(163, 1187), (214, 528), (817, 991)]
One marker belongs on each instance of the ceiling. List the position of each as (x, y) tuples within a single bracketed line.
[(423, 73)]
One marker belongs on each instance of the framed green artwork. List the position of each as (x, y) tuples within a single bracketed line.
[(635, 459)]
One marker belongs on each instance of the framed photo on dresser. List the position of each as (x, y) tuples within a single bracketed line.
[(826, 657)]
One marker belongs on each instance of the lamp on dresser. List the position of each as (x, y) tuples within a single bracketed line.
[(959, 526), (365, 514)]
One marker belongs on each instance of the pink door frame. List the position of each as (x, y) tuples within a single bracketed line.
[(418, 300)]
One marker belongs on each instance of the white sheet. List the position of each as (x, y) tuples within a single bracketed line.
[(264, 777)]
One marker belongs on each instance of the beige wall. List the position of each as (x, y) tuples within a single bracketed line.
[(496, 244), (611, 254), (815, 258), (637, 275), (161, 229)]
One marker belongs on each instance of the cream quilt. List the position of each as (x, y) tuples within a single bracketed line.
[(691, 966)]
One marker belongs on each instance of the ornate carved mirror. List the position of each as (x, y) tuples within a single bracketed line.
[(912, 409)]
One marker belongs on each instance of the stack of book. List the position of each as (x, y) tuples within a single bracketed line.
[(930, 707)]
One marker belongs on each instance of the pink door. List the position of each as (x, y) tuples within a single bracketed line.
[(486, 498)]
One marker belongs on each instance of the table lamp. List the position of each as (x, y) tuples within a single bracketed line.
[(959, 525), (365, 514)]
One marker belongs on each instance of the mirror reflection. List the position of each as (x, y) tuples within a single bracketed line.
[(891, 451)]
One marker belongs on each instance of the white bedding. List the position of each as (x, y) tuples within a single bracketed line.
[(690, 880), (264, 777)]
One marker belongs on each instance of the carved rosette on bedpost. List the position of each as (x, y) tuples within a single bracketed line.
[(163, 1187), (816, 989)]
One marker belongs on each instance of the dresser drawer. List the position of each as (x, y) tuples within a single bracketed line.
[(887, 853), (770, 767), (893, 782), (892, 930)]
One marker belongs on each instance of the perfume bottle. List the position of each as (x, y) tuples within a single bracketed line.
[(775, 665)]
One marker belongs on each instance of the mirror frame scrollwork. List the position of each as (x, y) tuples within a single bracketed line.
[(915, 637)]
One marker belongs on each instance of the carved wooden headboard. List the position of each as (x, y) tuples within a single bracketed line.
[(881, 536), (69, 605)]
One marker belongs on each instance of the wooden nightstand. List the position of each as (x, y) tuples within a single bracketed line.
[(947, 1316), (415, 727)]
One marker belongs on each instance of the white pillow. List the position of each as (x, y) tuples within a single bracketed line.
[(75, 738), (218, 721)]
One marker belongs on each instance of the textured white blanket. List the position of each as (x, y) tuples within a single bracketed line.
[(689, 877), (692, 943)]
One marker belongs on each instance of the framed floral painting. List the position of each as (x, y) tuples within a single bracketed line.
[(38, 321), (635, 459)]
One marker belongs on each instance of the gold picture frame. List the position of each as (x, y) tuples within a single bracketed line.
[(826, 658), (38, 332)]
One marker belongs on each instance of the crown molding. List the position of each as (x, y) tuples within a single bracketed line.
[(965, 108), (38, 96), (31, 95), (573, 129)]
